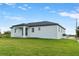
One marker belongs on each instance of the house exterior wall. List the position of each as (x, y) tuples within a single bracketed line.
[(44, 32), (18, 32), (60, 32)]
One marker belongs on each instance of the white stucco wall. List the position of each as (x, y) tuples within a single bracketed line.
[(44, 32), (18, 32), (60, 32)]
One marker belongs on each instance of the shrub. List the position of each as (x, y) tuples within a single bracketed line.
[(64, 34), (6, 34)]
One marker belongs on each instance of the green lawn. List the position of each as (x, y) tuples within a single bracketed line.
[(38, 47)]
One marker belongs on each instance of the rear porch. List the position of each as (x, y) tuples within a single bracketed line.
[(20, 31)]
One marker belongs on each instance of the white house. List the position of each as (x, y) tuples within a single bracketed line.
[(43, 29)]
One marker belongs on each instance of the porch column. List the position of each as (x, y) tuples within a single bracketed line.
[(24, 31)]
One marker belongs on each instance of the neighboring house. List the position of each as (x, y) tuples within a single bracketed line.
[(43, 29)]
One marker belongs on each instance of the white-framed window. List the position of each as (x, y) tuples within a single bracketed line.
[(59, 29)]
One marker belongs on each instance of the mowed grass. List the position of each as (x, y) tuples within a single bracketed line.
[(38, 47)]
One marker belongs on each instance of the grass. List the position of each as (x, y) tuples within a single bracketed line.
[(38, 47)]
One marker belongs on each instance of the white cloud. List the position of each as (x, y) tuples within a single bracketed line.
[(10, 4), (15, 17), (71, 15), (29, 7), (22, 8), (47, 8), (26, 5), (7, 15)]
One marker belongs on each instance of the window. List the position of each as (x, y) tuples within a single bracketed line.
[(32, 29), (59, 29), (39, 28), (15, 30)]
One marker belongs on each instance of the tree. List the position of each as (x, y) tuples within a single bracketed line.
[(6, 34), (77, 31)]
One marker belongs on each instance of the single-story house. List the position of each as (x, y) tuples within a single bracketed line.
[(42, 29)]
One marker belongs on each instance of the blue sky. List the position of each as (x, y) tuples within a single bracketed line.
[(62, 13)]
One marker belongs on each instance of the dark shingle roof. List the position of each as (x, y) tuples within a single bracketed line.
[(43, 23), (34, 24)]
